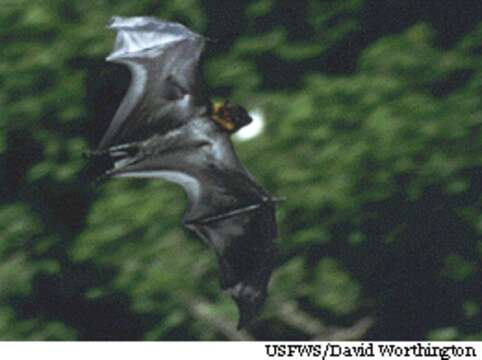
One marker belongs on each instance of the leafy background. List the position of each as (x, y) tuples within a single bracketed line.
[(373, 133)]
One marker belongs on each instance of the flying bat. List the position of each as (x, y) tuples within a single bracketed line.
[(167, 128)]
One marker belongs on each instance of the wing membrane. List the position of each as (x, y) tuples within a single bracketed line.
[(166, 86), (163, 129)]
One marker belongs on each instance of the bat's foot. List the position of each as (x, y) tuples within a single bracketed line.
[(104, 164), (119, 151)]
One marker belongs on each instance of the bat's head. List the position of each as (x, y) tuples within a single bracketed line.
[(230, 117)]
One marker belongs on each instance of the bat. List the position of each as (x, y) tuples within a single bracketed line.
[(167, 128)]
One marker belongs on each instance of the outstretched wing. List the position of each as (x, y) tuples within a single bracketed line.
[(165, 89), (243, 242), (227, 208)]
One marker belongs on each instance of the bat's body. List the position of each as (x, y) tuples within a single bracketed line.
[(166, 128)]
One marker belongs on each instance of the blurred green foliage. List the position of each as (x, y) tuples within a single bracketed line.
[(373, 133)]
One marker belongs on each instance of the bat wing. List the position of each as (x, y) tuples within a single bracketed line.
[(166, 87), (226, 208), (243, 242), (163, 129)]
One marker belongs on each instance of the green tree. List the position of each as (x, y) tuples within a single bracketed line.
[(373, 118)]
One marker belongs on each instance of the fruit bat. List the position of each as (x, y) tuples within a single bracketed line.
[(167, 128)]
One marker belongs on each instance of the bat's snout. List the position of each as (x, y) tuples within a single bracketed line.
[(231, 117), (240, 116)]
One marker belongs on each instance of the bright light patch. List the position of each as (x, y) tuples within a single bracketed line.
[(253, 129)]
